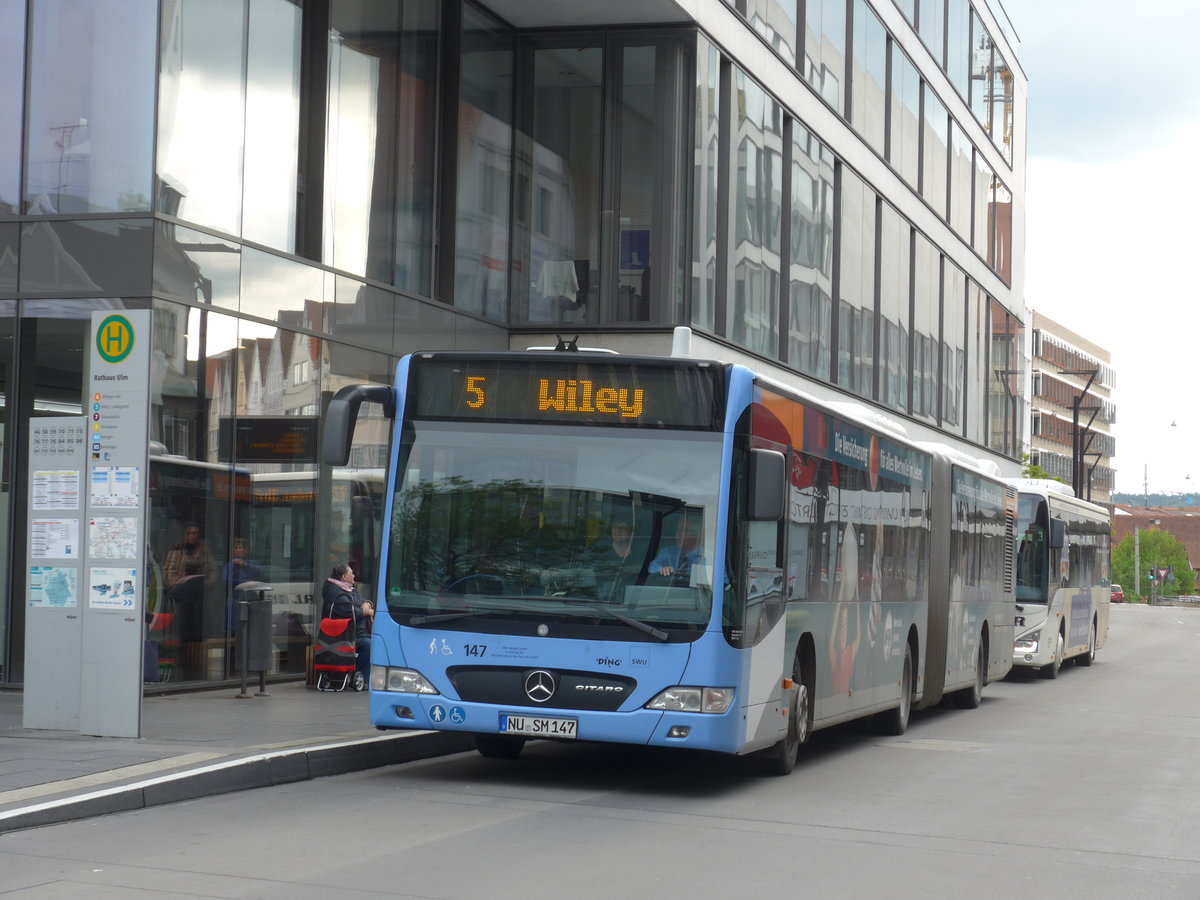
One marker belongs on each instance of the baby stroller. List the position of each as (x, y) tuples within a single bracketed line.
[(335, 655)]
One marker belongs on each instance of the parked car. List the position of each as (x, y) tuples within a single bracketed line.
[(1117, 593)]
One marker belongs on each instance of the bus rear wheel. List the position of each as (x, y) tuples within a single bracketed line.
[(1088, 657), (895, 721), (495, 746), (971, 697)]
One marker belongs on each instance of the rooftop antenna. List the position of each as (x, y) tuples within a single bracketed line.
[(565, 346)]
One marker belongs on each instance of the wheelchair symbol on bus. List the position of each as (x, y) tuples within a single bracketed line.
[(458, 715)]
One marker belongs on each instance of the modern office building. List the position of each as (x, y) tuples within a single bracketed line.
[(1072, 409), (304, 190)]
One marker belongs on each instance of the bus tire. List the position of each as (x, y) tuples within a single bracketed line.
[(895, 721), (971, 697), (780, 758), (1051, 670), (499, 746), (1089, 656)]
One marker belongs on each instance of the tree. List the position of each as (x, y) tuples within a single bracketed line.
[(1033, 470), (1159, 550)]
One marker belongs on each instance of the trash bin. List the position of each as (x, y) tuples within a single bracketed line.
[(256, 648)]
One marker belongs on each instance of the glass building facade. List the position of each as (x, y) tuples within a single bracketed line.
[(305, 190)]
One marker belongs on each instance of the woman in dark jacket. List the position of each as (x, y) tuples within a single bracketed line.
[(340, 600)]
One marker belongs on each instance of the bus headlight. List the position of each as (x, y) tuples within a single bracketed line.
[(1028, 643), (693, 699), (400, 681)]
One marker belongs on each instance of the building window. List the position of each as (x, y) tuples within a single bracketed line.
[(825, 49)]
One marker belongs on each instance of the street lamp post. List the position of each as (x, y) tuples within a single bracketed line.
[(1077, 446)]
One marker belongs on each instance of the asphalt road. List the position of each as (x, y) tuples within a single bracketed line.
[(1084, 786)]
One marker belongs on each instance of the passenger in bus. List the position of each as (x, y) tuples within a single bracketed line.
[(341, 600), (188, 568)]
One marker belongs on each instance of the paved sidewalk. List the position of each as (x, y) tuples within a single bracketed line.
[(194, 745)]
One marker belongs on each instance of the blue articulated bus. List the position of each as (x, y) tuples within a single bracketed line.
[(670, 552)]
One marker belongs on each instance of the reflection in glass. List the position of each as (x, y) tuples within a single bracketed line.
[(981, 71), (906, 118), (934, 152), (380, 141), (1007, 400), (758, 183), (559, 210), (856, 301), (272, 123), (485, 146), (954, 354), (704, 197), (811, 266), (926, 301), (894, 263), (825, 49), (978, 332), (279, 289), (12, 75), (958, 45), (775, 21), (201, 117), (1002, 105), (91, 106), (192, 265), (103, 257), (933, 27), (9, 236), (868, 103), (961, 167), (981, 225), (1001, 245)]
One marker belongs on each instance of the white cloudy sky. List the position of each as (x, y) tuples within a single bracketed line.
[(1113, 198)]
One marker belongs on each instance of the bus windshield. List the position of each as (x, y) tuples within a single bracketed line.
[(499, 526), (1032, 550)]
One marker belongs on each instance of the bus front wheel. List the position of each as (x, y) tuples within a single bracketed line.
[(1051, 670), (1089, 656)]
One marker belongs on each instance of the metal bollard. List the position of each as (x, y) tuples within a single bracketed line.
[(254, 633)]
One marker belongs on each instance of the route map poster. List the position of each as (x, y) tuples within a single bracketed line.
[(53, 586)]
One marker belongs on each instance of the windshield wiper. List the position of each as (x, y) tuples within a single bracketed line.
[(465, 614), (620, 617)]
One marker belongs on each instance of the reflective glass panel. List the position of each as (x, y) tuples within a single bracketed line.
[(825, 49), (1002, 105), (562, 195), (906, 118), (977, 364), (485, 144), (934, 152), (91, 106), (926, 336), (961, 166), (380, 141), (282, 290), (192, 265), (954, 353), (1002, 226), (981, 71), (811, 265), (100, 257), (856, 290), (201, 117), (758, 182), (1006, 409), (704, 198), (869, 99), (894, 263), (12, 75), (272, 124), (932, 15), (958, 45), (981, 228), (9, 237), (775, 20)]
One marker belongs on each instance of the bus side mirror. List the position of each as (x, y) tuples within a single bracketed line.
[(768, 470), (341, 415), (1058, 534)]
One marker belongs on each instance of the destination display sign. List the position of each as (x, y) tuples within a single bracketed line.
[(566, 391)]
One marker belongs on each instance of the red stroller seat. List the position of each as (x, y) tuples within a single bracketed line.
[(163, 634), (335, 655)]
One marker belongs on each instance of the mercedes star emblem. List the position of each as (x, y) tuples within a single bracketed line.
[(539, 686)]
